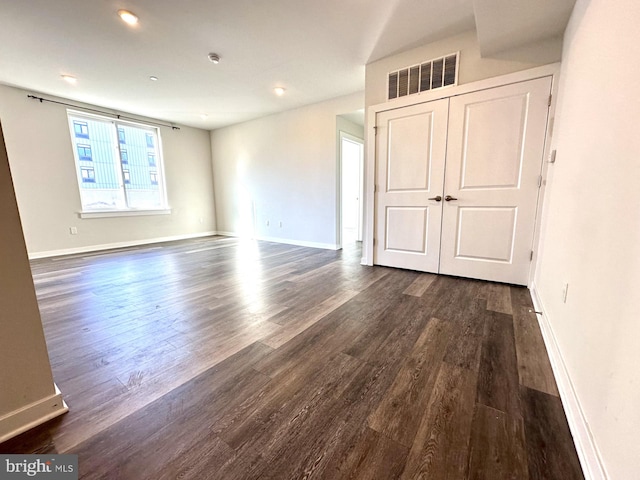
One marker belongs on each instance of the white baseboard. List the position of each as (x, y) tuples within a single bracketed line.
[(590, 459), (111, 246), (30, 416), (300, 243)]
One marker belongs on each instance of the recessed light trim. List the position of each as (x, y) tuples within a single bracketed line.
[(279, 91), (128, 17), (153, 78), (69, 79), (204, 116), (214, 58)]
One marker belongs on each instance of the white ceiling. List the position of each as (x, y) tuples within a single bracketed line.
[(519, 23), (315, 49)]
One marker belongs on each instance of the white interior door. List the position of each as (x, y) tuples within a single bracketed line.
[(351, 161), (494, 154), (410, 151)]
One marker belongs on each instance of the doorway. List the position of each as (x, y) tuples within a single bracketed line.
[(351, 188)]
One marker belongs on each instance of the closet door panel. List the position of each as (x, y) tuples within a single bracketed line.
[(495, 149), (410, 156)]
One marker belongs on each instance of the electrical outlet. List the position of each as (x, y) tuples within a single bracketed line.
[(73, 230), (280, 224), (201, 220), (565, 290), (267, 223)]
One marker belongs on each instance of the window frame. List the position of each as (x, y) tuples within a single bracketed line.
[(83, 126), (91, 174), (77, 117), (84, 157)]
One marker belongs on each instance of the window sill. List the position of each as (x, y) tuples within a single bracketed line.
[(122, 213)]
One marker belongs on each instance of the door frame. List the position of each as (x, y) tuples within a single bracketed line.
[(361, 220), (552, 70)]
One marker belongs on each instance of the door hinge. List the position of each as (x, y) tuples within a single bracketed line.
[(374, 242), (550, 98), (531, 256), (375, 130), (375, 188), (539, 181)]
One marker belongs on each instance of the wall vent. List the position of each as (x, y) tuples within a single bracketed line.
[(428, 75)]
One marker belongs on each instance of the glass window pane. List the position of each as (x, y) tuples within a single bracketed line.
[(125, 169)]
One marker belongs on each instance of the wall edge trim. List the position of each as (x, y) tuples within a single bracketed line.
[(19, 421), (111, 246), (590, 458), (287, 241)]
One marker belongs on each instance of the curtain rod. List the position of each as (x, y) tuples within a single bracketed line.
[(119, 117)]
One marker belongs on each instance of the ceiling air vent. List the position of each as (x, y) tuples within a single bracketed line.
[(436, 73)]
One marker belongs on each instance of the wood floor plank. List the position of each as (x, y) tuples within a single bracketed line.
[(420, 285), (284, 436), (497, 448), (325, 337), (407, 398), (499, 298), (467, 333), (182, 418), (370, 456), (441, 446), (550, 450), (290, 402), (402, 322), (520, 297), (534, 367), (498, 373), (197, 462), (304, 319)]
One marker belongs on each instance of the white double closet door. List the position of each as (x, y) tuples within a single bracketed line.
[(457, 182)]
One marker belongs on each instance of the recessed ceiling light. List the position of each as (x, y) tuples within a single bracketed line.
[(128, 17), (153, 78), (214, 58), (279, 91), (69, 79), (204, 116)]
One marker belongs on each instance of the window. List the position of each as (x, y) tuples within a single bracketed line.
[(88, 175), (81, 129), (118, 179), (84, 153)]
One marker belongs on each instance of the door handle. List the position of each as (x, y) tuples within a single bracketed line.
[(448, 198), (437, 199)]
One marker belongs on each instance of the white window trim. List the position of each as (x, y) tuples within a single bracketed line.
[(122, 213), (159, 157)]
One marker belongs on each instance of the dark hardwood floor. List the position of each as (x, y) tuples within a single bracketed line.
[(218, 358)]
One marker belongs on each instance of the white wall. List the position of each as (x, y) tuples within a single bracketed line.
[(281, 168), (43, 168), (591, 226), (472, 66), (27, 393)]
